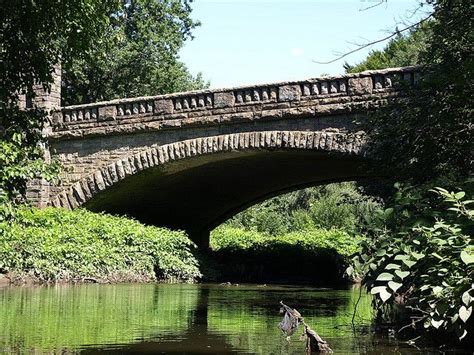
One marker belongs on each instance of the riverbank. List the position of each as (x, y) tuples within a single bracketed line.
[(317, 257), (58, 246)]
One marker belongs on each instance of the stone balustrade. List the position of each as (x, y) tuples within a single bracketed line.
[(199, 106)]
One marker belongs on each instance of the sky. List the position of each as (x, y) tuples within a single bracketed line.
[(245, 42)]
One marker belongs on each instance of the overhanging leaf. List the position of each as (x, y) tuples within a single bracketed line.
[(409, 263), (467, 258), (394, 285), (377, 289), (385, 276), (437, 290), (437, 323), (418, 256), (466, 298), (465, 313), (402, 274), (382, 292), (402, 257)]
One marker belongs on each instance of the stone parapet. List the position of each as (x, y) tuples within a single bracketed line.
[(319, 96)]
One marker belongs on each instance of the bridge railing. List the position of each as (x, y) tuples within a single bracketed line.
[(209, 102)]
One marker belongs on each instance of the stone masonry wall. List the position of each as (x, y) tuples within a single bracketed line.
[(90, 138)]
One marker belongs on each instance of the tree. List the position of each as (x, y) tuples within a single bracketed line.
[(137, 55), (107, 49), (34, 37), (428, 134), (403, 50), (419, 266)]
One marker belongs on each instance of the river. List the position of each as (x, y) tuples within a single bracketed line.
[(186, 319)]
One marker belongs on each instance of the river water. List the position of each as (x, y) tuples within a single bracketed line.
[(185, 319)]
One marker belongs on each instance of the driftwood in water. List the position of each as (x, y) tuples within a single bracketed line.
[(314, 343), (292, 319)]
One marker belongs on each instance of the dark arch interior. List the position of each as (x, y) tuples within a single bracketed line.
[(198, 194)]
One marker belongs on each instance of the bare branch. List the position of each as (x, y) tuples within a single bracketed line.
[(372, 6), (375, 42)]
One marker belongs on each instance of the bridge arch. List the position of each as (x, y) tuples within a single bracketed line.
[(190, 160), (195, 184)]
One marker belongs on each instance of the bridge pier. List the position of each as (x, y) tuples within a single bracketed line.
[(38, 190), (201, 239)]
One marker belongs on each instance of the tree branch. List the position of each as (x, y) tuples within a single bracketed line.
[(375, 42), (372, 6)]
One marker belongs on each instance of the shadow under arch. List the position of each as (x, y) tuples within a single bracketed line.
[(197, 184)]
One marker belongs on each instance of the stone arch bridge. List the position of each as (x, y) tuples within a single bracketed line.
[(191, 160)]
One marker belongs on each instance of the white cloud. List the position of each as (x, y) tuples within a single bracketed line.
[(297, 52)]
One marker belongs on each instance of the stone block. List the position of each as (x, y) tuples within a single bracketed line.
[(164, 106), (224, 99), (360, 86), (289, 92), (107, 113)]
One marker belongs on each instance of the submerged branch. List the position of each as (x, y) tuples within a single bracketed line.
[(292, 319)]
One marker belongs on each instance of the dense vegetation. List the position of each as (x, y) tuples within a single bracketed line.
[(419, 266), (55, 245), (94, 42), (136, 55), (315, 256), (34, 37), (342, 206), (106, 49), (417, 258), (305, 236)]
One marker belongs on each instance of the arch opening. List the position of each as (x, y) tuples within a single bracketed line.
[(199, 193)]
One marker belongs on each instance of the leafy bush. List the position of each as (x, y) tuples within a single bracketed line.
[(421, 268), (59, 245), (313, 256), (342, 206), (238, 239)]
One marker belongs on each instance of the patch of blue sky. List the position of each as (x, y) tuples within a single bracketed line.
[(244, 42)]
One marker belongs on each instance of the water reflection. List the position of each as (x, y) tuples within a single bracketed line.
[(178, 319)]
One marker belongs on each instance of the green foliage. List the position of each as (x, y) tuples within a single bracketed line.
[(137, 55), (312, 256), (428, 134), (21, 157), (401, 51), (35, 36), (342, 206), (421, 267), (241, 240), (58, 245)]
